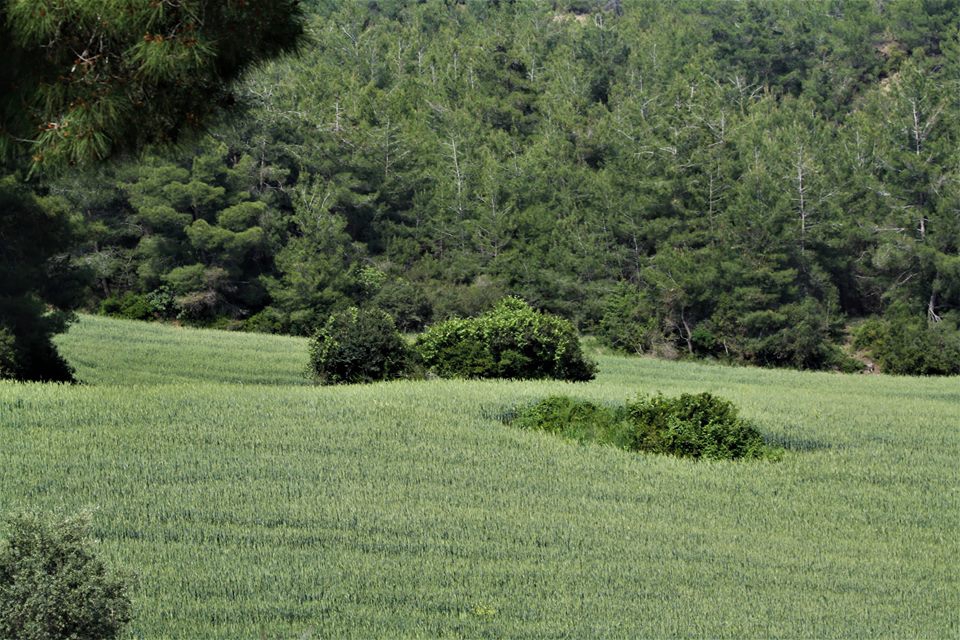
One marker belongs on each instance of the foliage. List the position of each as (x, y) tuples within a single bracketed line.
[(84, 80), (26, 351), (630, 324), (782, 169), (694, 426), (158, 303), (95, 78), (359, 345), (511, 341), (912, 346), (799, 335), (574, 419), (35, 233), (399, 510), (53, 584)]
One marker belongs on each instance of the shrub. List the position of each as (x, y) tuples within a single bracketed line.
[(511, 341), (575, 419), (869, 334), (8, 354), (52, 585), (139, 306), (359, 345), (908, 345), (694, 426), (800, 336), (132, 306)]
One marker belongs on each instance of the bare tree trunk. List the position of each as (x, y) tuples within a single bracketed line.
[(932, 316), (689, 335)]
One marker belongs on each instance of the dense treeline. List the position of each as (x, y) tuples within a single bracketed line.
[(740, 180)]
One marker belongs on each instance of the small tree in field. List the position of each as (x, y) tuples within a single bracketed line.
[(359, 345), (512, 340), (53, 585)]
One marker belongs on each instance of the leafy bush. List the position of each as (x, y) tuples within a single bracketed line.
[(132, 306), (908, 345), (52, 585), (694, 426), (575, 419), (139, 306), (741, 328), (869, 334), (359, 345), (38, 283), (511, 341)]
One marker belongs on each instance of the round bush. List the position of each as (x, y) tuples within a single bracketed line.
[(693, 426), (359, 345), (511, 341), (52, 585)]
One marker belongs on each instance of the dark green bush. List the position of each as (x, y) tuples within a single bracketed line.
[(910, 345), (869, 334), (803, 335), (629, 323), (511, 341), (132, 306), (799, 336), (359, 345), (575, 419), (693, 426), (53, 585), (139, 306)]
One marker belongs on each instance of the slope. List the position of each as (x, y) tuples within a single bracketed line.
[(408, 510)]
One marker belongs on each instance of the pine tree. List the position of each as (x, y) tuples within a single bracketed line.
[(84, 80)]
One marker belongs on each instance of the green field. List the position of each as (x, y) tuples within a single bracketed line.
[(248, 504)]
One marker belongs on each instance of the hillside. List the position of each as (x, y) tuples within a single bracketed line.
[(248, 505), (736, 180)]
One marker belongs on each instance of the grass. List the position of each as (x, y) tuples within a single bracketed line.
[(120, 352), (250, 505)]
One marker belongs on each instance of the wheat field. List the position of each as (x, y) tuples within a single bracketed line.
[(243, 502)]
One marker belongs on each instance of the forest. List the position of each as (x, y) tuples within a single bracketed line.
[(773, 183)]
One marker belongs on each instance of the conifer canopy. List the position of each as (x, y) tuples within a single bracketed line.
[(84, 79)]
